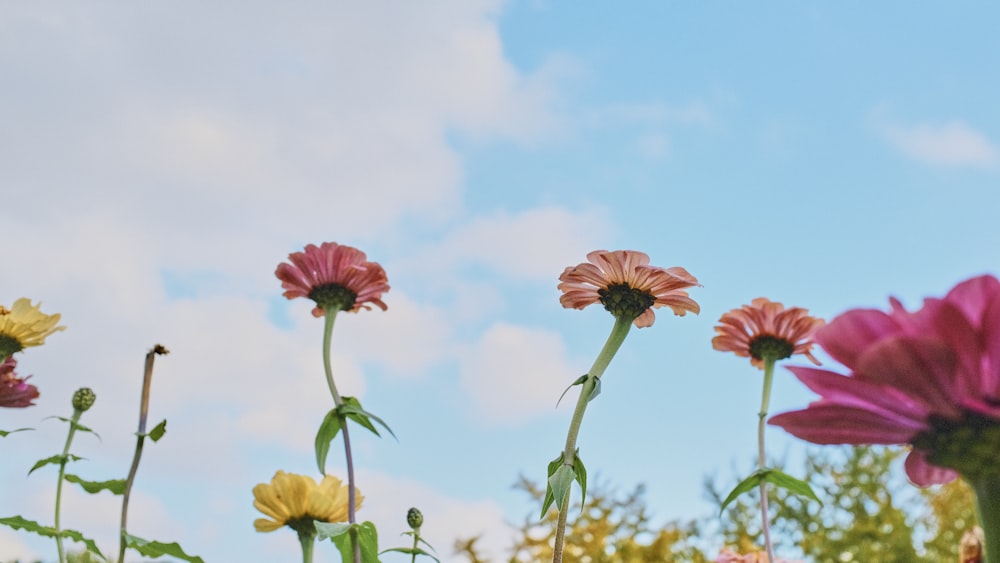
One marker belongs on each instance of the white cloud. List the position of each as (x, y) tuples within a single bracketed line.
[(947, 144), (513, 374)]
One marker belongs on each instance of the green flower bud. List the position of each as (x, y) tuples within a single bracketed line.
[(414, 518), (83, 399)]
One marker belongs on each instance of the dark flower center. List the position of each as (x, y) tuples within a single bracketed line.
[(624, 301), (303, 524), (9, 346), (334, 296), (970, 445), (767, 347)]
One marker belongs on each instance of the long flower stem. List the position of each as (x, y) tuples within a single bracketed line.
[(147, 379), (331, 316), (614, 342), (761, 454), (307, 541), (416, 544), (988, 503), (62, 473)]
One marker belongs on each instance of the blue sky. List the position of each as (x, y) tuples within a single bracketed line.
[(157, 162)]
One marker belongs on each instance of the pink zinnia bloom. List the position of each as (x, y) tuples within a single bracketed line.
[(930, 379), (334, 276), (766, 328), (14, 392), (627, 286), (729, 556)]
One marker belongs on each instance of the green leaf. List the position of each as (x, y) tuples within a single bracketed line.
[(578, 381), (796, 486), (328, 430), (560, 484), (367, 539), (79, 427), (411, 551), (745, 486), (581, 476), (19, 523), (352, 410), (158, 431), (596, 391), (5, 433), (326, 530), (554, 465), (54, 460), (158, 549), (116, 486)]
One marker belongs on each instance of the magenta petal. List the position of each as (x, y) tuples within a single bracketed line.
[(923, 474), (852, 332), (973, 295), (836, 389), (835, 424), (923, 369)]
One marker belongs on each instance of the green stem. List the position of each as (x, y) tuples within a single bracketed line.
[(614, 342), (307, 540), (330, 315), (62, 473), (761, 454), (416, 544), (988, 503)]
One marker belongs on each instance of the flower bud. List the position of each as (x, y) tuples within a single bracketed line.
[(83, 399), (414, 518)]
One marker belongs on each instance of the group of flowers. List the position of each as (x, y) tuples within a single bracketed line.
[(928, 378)]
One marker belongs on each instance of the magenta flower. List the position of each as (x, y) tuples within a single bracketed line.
[(930, 378), (334, 276), (14, 392)]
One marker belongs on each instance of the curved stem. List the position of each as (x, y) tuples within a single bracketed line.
[(62, 473), (614, 342), (330, 316), (988, 506), (761, 454)]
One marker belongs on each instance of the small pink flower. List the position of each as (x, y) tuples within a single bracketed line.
[(729, 556), (930, 378), (334, 276), (14, 392), (627, 286), (766, 328)]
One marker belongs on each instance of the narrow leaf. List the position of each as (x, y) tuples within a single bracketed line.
[(158, 431), (596, 391), (158, 549), (54, 460), (744, 486), (367, 539), (411, 551), (116, 486), (79, 427), (578, 381), (328, 430), (19, 523), (581, 476), (796, 486), (5, 433), (352, 409), (560, 484), (554, 465)]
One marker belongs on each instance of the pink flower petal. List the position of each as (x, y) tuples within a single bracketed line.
[(923, 474), (835, 424)]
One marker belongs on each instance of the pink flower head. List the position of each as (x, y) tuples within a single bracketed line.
[(930, 378), (627, 286), (766, 328), (729, 556), (334, 276), (14, 392)]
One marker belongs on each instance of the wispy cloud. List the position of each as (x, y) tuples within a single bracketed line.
[(952, 143)]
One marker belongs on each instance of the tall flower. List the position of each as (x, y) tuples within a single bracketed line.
[(766, 329), (297, 501), (627, 286), (24, 325), (930, 378), (334, 276), (14, 392)]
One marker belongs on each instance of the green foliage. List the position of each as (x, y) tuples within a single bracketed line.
[(775, 477), (158, 431), (116, 486), (328, 430), (5, 433), (57, 459), (158, 549), (352, 409), (332, 422), (560, 480), (367, 538), (18, 523)]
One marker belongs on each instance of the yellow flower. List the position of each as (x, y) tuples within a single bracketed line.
[(24, 325), (297, 501)]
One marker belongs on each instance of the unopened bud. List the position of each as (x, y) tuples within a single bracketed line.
[(414, 518), (83, 399)]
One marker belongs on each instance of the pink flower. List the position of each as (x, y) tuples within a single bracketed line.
[(14, 392), (334, 276), (930, 379), (627, 286), (766, 328), (729, 556)]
